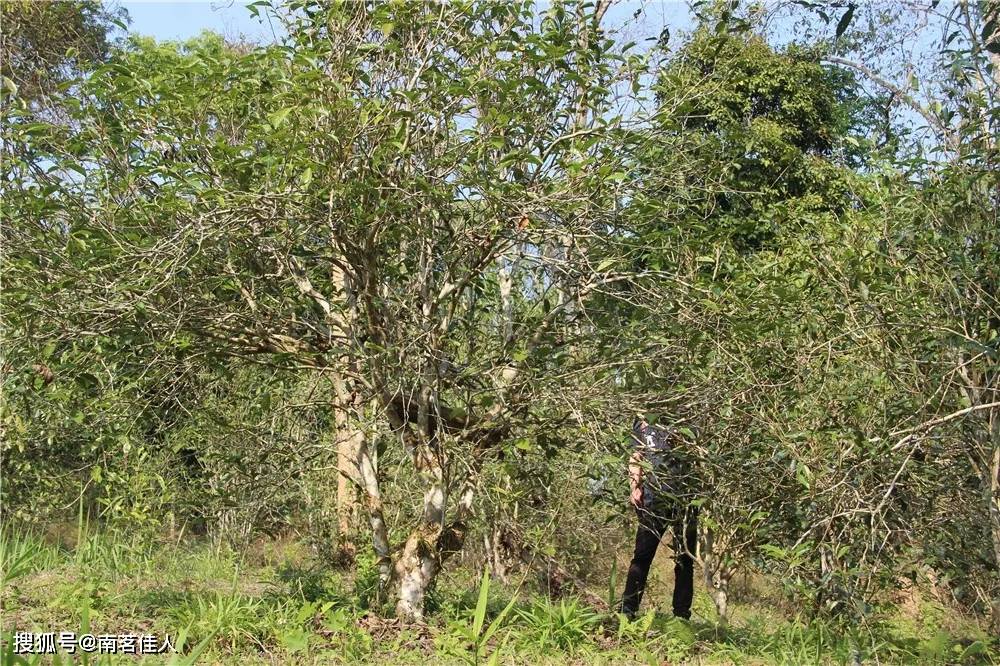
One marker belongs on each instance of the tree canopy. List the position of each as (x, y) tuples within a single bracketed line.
[(444, 253)]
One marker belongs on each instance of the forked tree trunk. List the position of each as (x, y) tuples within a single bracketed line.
[(417, 567), (430, 545), (717, 576), (419, 562)]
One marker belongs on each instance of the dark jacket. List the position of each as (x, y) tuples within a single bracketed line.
[(667, 473)]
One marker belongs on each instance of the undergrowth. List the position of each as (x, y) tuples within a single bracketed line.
[(221, 607)]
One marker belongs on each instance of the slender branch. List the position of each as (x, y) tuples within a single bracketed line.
[(927, 425), (931, 119)]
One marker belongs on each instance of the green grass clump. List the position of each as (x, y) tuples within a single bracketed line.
[(228, 608), (563, 626), (23, 553)]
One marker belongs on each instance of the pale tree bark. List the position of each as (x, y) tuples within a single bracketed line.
[(368, 476), (357, 467), (346, 401), (432, 542), (346, 496), (357, 463), (419, 562), (349, 441), (717, 575)]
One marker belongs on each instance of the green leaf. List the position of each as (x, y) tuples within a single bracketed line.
[(254, 7), (845, 21), (495, 657), (278, 117), (496, 623), (480, 615), (803, 475)]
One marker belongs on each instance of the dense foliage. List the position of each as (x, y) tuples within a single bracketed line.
[(433, 258)]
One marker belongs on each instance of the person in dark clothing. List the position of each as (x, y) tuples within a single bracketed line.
[(660, 478)]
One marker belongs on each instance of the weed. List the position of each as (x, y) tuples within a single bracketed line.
[(24, 553), (301, 615), (77, 595), (308, 584), (366, 580), (232, 617), (290, 625), (341, 629), (565, 626), (474, 632)]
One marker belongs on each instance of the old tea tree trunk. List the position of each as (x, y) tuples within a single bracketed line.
[(718, 573), (433, 540)]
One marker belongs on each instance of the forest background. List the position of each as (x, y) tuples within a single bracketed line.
[(312, 339)]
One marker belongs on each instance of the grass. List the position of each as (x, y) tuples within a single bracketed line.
[(23, 554), (285, 607)]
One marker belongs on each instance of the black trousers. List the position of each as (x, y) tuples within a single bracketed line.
[(653, 523)]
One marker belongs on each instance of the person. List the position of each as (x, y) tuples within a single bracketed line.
[(660, 480)]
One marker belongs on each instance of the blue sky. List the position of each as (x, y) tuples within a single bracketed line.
[(182, 20)]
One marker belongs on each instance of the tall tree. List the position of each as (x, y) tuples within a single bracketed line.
[(952, 88), (46, 44), (350, 203)]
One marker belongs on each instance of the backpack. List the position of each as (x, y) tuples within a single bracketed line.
[(667, 474)]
